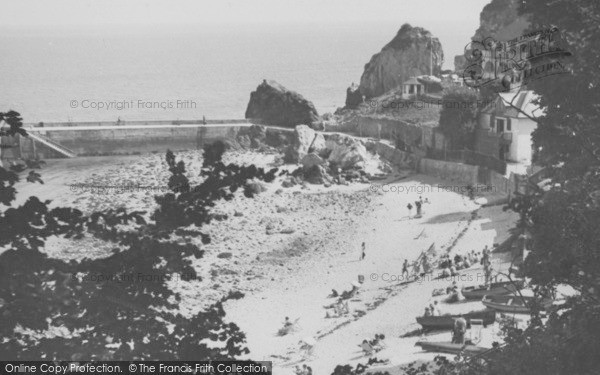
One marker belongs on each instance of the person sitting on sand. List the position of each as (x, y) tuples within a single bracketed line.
[(453, 271), (427, 311), (366, 347), (466, 263), (288, 325), (351, 293), (443, 262), (456, 295), (377, 343), (334, 294), (436, 309), (457, 258), (445, 273)]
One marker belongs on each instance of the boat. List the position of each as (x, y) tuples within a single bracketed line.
[(513, 304), (488, 316), (450, 348), (500, 288)]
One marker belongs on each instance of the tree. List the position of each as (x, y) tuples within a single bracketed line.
[(564, 219), (56, 310), (458, 116)]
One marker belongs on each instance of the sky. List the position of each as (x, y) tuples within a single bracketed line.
[(453, 22)]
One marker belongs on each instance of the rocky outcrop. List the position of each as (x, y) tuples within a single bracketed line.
[(353, 97), (405, 56), (500, 20), (258, 137), (306, 140), (311, 160), (273, 104), (345, 151)]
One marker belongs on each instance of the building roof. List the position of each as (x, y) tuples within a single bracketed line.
[(411, 81), (518, 104)]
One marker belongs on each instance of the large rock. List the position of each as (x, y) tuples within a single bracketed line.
[(353, 97), (311, 160), (316, 175), (252, 137), (407, 55), (306, 140), (273, 104), (346, 152)]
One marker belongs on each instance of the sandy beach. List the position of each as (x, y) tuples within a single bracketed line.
[(287, 248)]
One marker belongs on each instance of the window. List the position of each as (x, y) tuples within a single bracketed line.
[(508, 125), (500, 125)]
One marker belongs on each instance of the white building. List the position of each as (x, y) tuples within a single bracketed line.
[(505, 127)]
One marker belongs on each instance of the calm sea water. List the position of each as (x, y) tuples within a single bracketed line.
[(142, 74)]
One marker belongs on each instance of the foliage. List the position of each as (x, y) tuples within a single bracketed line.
[(359, 369), (564, 219), (118, 307), (458, 116)]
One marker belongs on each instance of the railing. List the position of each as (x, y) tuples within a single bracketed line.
[(52, 144), (468, 157), (135, 122)]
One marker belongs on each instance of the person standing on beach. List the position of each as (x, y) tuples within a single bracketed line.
[(405, 269), (363, 254), (460, 328), (425, 264), (409, 206), (418, 204), (485, 259)]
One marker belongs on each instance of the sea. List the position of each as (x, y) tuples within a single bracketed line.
[(106, 74)]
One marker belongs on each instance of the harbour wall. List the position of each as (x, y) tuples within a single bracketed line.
[(127, 140)]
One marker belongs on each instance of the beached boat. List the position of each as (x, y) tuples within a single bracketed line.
[(488, 316), (500, 288), (450, 348), (512, 304)]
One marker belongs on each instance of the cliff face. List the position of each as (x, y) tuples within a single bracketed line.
[(407, 55), (273, 104), (500, 20)]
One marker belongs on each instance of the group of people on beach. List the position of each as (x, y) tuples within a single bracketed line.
[(375, 345), (418, 204), (433, 309), (305, 370)]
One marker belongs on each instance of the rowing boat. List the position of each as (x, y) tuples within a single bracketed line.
[(447, 321), (513, 304), (500, 288), (450, 348)]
